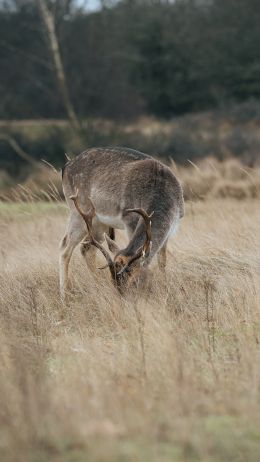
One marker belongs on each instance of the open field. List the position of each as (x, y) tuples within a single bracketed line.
[(172, 376)]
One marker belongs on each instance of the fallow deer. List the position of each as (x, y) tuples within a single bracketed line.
[(107, 188)]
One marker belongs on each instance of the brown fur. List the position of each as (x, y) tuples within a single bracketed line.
[(117, 179)]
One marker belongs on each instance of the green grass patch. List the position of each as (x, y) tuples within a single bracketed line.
[(211, 439)]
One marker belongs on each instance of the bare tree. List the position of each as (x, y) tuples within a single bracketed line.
[(49, 24)]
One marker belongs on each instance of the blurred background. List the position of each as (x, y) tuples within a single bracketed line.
[(176, 79)]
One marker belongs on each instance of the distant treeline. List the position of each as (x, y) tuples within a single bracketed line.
[(154, 57)]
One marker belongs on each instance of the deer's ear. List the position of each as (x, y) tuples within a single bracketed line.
[(113, 247)]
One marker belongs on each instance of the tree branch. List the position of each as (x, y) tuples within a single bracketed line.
[(48, 21), (18, 150)]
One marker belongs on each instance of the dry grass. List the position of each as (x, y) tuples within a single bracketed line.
[(207, 178), (210, 178), (172, 376)]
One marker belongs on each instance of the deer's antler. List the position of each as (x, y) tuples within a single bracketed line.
[(88, 217), (144, 250)]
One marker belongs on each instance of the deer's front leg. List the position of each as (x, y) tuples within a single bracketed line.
[(66, 249), (88, 251), (75, 233)]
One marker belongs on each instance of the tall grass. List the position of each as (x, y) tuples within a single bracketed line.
[(205, 178), (171, 374), (210, 178)]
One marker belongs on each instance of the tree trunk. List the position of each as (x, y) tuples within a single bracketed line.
[(49, 24)]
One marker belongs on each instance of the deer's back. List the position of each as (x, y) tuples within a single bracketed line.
[(121, 178)]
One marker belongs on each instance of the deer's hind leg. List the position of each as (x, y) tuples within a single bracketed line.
[(76, 231), (162, 258)]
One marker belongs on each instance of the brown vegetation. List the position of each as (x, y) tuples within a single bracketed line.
[(220, 134), (210, 178), (172, 375), (207, 178)]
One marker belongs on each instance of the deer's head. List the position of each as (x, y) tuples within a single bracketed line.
[(125, 269)]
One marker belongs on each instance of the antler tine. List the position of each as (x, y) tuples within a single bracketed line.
[(145, 248), (148, 229), (88, 217)]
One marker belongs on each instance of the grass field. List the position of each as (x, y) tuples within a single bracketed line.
[(171, 376)]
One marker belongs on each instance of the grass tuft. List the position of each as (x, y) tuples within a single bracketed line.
[(171, 376)]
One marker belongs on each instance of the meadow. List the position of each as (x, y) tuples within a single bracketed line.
[(171, 374)]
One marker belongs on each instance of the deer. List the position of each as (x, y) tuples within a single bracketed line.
[(119, 188)]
